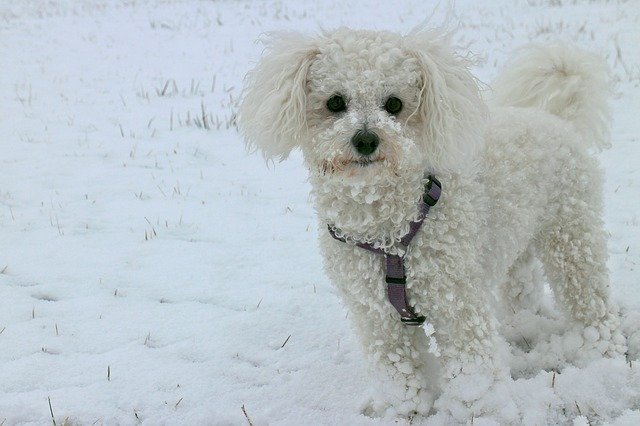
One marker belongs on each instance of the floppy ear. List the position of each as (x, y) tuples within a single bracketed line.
[(272, 114), (451, 114)]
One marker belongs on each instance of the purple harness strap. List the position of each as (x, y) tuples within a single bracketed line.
[(396, 278)]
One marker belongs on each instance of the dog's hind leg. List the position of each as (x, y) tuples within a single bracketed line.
[(573, 250), (520, 302), (524, 287)]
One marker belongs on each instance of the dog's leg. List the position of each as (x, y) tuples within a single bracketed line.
[(476, 374), (399, 357), (524, 287), (398, 354), (520, 301), (526, 323), (573, 251), (450, 293)]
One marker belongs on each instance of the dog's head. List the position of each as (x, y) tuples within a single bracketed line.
[(364, 103)]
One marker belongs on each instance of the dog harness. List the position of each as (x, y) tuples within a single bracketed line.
[(395, 275)]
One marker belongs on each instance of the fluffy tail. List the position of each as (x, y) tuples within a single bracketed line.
[(564, 81)]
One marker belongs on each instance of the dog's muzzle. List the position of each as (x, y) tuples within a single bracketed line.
[(365, 141)]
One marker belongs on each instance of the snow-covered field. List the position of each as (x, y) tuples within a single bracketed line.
[(153, 272)]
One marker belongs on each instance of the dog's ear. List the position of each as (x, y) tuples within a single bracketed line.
[(272, 114), (451, 114)]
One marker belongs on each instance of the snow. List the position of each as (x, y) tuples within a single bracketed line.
[(151, 271)]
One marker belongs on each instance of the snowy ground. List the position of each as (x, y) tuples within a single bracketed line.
[(153, 272)]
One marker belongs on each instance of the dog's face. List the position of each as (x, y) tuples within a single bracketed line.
[(364, 103), (362, 100)]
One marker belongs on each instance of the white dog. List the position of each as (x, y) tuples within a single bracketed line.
[(381, 119)]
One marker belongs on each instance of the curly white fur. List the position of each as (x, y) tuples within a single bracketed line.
[(564, 81), (516, 182)]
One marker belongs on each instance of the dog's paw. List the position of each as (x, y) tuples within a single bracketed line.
[(579, 345), (631, 329), (603, 339), (473, 396)]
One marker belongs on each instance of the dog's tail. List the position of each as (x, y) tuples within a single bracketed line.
[(564, 81)]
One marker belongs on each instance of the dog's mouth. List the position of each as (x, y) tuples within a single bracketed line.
[(364, 162), (337, 165)]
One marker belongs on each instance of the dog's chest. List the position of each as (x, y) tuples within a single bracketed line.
[(360, 272), (451, 241)]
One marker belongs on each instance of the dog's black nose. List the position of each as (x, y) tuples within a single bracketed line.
[(365, 141)]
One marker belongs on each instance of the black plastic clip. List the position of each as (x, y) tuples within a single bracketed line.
[(426, 197), (413, 321), (393, 280)]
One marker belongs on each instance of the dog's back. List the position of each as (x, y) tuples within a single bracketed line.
[(544, 186), (548, 107)]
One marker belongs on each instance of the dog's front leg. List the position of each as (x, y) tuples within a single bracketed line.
[(398, 354), (399, 359), (449, 292)]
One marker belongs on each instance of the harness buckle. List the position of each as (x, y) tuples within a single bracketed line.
[(413, 321), (427, 197), (395, 280)]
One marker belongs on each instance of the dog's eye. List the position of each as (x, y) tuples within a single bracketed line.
[(393, 105), (336, 104)]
